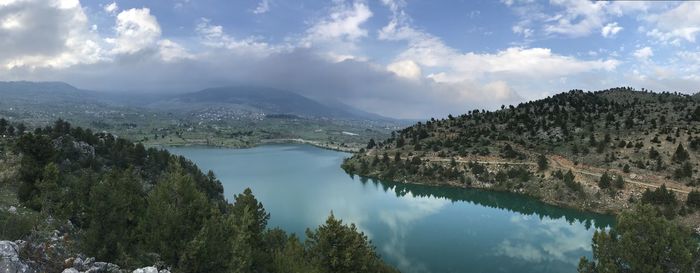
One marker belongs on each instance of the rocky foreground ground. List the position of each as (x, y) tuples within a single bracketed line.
[(13, 259)]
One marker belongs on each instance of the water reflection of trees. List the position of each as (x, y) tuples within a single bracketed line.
[(499, 200)]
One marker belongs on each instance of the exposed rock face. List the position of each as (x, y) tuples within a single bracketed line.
[(85, 265), (10, 260), (88, 265), (150, 269), (69, 144)]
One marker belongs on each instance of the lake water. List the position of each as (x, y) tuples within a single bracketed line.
[(416, 228)]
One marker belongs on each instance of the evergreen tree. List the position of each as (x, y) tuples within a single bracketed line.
[(642, 241), (693, 199), (252, 228), (696, 114), (569, 181), (176, 211), (653, 154), (37, 151), (243, 245), (626, 168), (681, 154), (292, 258), (619, 182), (542, 162), (3, 126), (116, 207), (49, 189), (604, 181), (212, 249), (339, 248), (686, 170), (371, 144), (659, 196)]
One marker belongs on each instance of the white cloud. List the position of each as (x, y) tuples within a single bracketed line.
[(40, 33), (644, 53), (511, 63), (111, 8), (681, 22), (580, 17), (136, 30), (214, 36), (610, 30), (575, 18), (526, 32), (171, 51), (263, 7), (420, 74), (406, 68), (338, 34), (430, 51), (487, 77), (343, 23)]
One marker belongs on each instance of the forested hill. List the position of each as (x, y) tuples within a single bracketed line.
[(88, 194), (646, 139)]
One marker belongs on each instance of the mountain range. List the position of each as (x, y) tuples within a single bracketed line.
[(252, 99)]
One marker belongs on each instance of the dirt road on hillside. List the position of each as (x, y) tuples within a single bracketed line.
[(559, 162)]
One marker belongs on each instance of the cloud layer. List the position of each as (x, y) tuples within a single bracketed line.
[(417, 74)]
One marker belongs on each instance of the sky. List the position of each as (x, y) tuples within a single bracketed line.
[(398, 58)]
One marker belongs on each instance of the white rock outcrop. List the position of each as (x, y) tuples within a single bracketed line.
[(150, 269), (9, 259)]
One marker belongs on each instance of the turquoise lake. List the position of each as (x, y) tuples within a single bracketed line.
[(416, 228)]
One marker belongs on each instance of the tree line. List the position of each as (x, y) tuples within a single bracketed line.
[(136, 206)]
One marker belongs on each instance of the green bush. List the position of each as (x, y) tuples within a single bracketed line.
[(15, 226)]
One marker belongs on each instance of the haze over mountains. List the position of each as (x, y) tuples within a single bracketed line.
[(241, 99), (262, 100)]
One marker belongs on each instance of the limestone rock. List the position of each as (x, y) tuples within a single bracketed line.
[(150, 269), (9, 259), (88, 265)]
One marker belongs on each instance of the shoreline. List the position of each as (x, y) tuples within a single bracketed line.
[(263, 142), (542, 186), (481, 186)]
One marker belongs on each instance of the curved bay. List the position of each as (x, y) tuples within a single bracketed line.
[(415, 227)]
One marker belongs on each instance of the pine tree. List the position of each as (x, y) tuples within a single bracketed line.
[(243, 259), (693, 199), (176, 211), (604, 181), (642, 241), (292, 258), (339, 248), (49, 189), (619, 182), (253, 229), (371, 144), (116, 207), (212, 248), (681, 154), (542, 162)]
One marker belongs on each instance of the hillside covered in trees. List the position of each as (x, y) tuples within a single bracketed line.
[(601, 151), (72, 192)]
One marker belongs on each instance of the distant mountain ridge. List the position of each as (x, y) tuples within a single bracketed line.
[(252, 99), (263, 100), (29, 86), (39, 91)]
